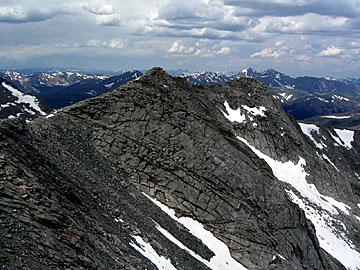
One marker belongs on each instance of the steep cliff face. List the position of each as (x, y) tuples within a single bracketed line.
[(162, 174)]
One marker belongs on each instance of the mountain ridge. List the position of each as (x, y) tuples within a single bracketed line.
[(77, 181), (303, 97)]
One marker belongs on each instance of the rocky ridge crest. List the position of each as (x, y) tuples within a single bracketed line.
[(73, 185)]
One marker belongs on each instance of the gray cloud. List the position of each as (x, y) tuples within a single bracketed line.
[(17, 14), (344, 8), (198, 19)]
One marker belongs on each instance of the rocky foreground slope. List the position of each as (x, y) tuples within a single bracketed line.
[(159, 174)]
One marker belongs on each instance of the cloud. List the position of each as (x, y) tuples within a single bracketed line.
[(262, 8), (268, 53), (17, 14), (115, 44), (99, 7), (202, 48), (201, 19), (223, 50), (21, 11), (279, 43), (108, 20), (309, 24), (95, 43), (303, 57), (331, 51), (178, 47)]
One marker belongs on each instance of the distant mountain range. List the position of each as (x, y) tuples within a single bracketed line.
[(305, 98), (275, 79), (86, 88), (60, 89)]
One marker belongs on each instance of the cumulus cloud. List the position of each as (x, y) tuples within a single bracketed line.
[(108, 20), (178, 47), (202, 48), (223, 50), (112, 44), (331, 51), (99, 7), (115, 44), (268, 52), (93, 43)]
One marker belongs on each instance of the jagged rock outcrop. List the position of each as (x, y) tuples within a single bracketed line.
[(75, 187)]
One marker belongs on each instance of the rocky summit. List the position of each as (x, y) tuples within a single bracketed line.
[(160, 174)]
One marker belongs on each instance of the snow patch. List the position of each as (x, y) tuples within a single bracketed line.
[(295, 175), (308, 129), (286, 96), (325, 157), (346, 136), (109, 85), (91, 93), (117, 220), (245, 72), (221, 260), (330, 239), (23, 98), (335, 117), (340, 98), (181, 245), (321, 99), (255, 111), (233, 115), (148, 251)]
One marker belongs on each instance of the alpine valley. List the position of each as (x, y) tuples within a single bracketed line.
[(178, 173)]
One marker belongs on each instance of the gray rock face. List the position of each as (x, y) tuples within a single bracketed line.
[(72, 186)]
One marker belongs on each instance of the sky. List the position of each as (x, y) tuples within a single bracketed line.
[(296, 37)]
